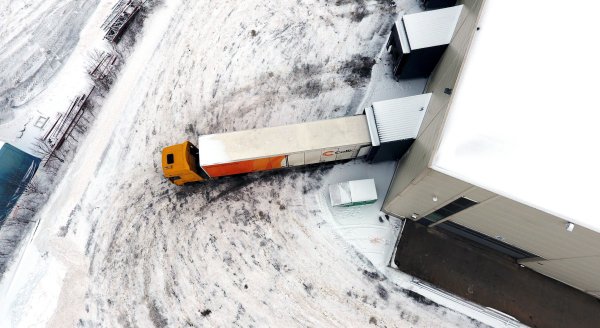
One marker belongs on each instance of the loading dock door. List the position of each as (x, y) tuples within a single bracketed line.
[(485, 240)]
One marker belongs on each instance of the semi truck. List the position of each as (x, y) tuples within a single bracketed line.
[(383, 131)]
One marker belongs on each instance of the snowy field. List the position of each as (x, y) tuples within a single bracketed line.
[(36, 38), (117, 245), (45, 49)]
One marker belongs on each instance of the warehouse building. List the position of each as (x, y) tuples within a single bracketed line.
[(506, 155)]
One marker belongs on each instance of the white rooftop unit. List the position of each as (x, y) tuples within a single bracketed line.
[(418, 41), (394, 125)]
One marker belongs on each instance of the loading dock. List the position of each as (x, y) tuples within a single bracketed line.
[(489, 278)]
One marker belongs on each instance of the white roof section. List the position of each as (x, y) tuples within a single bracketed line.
[(400, 118), (431, 28), (281, 140), (524, 116)]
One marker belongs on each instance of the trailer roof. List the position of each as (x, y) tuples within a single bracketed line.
[(267, 142), (431, 28), (524, 117)]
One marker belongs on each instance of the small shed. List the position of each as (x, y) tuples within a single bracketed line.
[(394, 125), (418, 41), (352, 193), (16, 170)]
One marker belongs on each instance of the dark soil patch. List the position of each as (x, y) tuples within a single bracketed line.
[(358, 70), (371, 275), (419, 298), (382, 292)]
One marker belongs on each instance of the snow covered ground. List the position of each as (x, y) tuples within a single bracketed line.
[(117, 245), (36, 37), (45, 48)]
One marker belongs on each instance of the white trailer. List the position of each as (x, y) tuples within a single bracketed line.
[(283, 146)]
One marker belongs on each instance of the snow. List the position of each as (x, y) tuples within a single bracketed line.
[(384, 86), (36, 38), (59, 80), (361, 225), (521, 122), (118, 245), (43, 286)]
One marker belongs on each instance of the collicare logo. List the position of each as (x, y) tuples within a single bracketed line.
[(331, 152)]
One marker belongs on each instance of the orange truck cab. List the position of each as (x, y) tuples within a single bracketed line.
[(180, 164)]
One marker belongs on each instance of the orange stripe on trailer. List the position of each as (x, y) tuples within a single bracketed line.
[(253, 165)]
